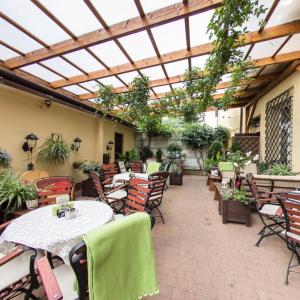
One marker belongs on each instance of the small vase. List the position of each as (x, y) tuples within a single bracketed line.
[(31, 204)]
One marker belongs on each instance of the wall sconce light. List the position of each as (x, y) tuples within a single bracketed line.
[(28, 146), (109, 145), (76, 144)]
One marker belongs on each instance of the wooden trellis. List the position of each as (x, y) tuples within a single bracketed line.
[(248, 142)]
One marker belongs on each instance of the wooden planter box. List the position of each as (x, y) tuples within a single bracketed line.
[(176, 179), (235, 211), (88, 188)]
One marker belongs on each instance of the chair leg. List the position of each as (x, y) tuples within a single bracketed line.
[(289, 265), (160, 214)]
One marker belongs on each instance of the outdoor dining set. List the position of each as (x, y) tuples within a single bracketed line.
[(49, 244)]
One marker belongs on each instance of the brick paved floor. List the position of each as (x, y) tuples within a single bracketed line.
[(198, 257)]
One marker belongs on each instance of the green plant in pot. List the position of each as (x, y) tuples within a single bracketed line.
[(5, 159), (128, 156), (239, 195), (279, 170), (54, 151), (13, 193), (92, 166)]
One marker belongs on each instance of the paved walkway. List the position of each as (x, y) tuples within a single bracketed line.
[(200, 258)]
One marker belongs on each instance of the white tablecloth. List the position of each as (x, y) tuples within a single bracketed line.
[(39, 229), (126, 177)]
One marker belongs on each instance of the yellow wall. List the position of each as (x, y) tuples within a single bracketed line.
[(22, 113), (292, 81)]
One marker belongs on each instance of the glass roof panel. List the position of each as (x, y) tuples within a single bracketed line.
[(178, 85), (265, 49), (6, 53), (150, 5), (154, 72), (126, 9), (61, 66), (170, 37), (128, 77), (75, 89), (41, 72), (84, 60), (73, 14), (91, 85), (162, 89), (31, 17), (199, 61), (14, 37), (111, 80), (286, 11), (110, 54), (292, 44), (177, 67), (138, 45), (198, 28)]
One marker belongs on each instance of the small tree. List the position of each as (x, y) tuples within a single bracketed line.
[(197, 136), (221, 134)]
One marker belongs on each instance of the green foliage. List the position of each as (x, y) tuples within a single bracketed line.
[(237, 195), (87, 168), (5, 159), (13, 192), (280, 170), (215, 149), (263, 167), (174, 147), (145, 153), (128, 156), (158, 155), (235, 146), (221, 134), (209, 163), (54, 151), (77, 164), (240, 159)]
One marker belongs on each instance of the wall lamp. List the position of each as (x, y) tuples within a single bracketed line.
[(109, 145), (28, 146), (76, 144)]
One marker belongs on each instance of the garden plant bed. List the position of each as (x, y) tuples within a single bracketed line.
[(235, 211)]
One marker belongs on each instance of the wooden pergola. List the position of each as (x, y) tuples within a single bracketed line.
[(272, 66)]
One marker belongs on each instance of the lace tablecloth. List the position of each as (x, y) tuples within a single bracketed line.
[(126, 177), (39, 229)]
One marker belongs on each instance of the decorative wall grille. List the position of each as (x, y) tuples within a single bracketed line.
[(279, 129), (247, 142)]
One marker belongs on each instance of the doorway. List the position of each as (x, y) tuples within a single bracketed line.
[(118, 145)]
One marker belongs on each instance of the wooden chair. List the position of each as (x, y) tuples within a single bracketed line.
[(290, 204), (158, 181), (17, 271), (31, 176), (122, 167), (136, 166), (57, 283), (49, 188), (268, 209), (109, 171), (115, 198)]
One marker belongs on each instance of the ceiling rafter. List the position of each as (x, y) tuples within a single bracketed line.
[(152, 19)]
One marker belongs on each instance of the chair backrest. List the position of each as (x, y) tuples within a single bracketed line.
[(31, 176), (290, 204), (136, 166), (98, 185), (252, 186), (109, 170), (152, 167), (49, 187), (122, 167), (158, 181), (139, 191)]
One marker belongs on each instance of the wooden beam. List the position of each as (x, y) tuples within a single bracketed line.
[(194, 51), (287, 72), (152, 19), (180, 78)]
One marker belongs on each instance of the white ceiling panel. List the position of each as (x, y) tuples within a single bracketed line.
[(198, 28), (178, 85), (91, 85), (31, 17), (111, 80), (177, 67), (110, 54), (265, 49), (73, 14), (151, 5), (6, 53), (162, 89), (199, 61), (14, 37), (128, 77), (154, 72), (138, 45), (41, 72), (61, 66), (75, 89), (292, 45), (170, 37), (84, 60), (115, 11)]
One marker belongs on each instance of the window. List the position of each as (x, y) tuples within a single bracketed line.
[(279, 129)]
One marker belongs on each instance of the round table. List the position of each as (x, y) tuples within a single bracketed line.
[(39, 229), (126, 176)]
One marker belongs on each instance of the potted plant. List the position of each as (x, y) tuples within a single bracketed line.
[(175, 156), (175, 175), (13, 193), (5, 159), (54, 151), (88, 187), (235, 206)]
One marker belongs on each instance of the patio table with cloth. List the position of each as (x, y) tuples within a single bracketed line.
[(40, 229), (126, 176)]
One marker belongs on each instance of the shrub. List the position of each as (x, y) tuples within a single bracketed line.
[(221, 134), (235, 146), (214, 149), (87, 168), (145, 153), (280, 170), (159, 155), (5, 159), (174, 147)]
